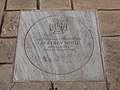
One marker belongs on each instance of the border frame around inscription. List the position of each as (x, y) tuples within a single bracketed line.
[(61, 73)]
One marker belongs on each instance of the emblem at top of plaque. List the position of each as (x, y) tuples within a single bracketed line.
[(58, 27)]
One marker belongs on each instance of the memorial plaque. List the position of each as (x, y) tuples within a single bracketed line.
[(58, 45)]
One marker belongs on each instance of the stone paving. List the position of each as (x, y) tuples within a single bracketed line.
[(109, 26)]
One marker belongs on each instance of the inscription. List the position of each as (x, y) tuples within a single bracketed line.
[(59, 43)]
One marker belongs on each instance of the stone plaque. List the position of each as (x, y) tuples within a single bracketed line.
[(58, 45)]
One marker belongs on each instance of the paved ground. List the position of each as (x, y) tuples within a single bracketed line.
[(109, 23)]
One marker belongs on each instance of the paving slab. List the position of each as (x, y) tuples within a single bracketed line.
[(111, 48), (31, 86), (96, 4), (21, 4), (7, 50), (6, 77), (55, 4), (89, 4), (112, 4), (109, 22), (2, 4), (58, 45), (79, 86), (11, 24), (0, 19)]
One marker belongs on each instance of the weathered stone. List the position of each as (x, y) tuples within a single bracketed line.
[(10, 25), (7, 50), (111, 48), (79, 86), (112, 4), (96, 4), (31, 86), (6, 77), (2, 4), (0, 20), (55, 4), (21, 4), (89, 4), (60, 45), (109, 22)]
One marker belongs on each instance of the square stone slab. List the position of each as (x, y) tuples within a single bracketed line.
[(58, 46), (21, 4)]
